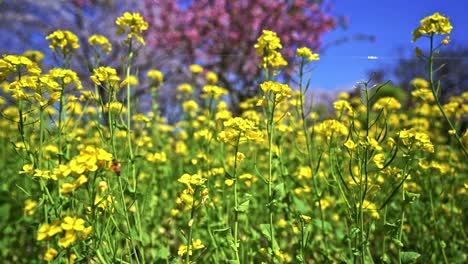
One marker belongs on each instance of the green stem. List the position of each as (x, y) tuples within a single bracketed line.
[(436, 96)]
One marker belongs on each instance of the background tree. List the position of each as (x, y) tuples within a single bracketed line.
[(220, 34)]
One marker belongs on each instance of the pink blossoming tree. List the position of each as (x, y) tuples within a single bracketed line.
[(220, 34)]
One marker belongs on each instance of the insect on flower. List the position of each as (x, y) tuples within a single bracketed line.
[(116, 167)]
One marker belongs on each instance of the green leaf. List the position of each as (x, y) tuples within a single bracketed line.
[(243, 207), (279, 192), (409, 256), (244, 204), (397, 242), (265, 229), (163, 253)]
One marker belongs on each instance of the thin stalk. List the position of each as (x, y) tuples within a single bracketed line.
[(436, 96)]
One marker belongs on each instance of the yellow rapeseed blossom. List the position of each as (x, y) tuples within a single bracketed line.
[(132, 80), (63, 41), (34, 55), (434, 24), (196, 69), (267, 45), (134, 24), (280, 90), (211, 77), (50, 254), (185, 88), (67, 77), (47, 231), (386, 103), (307, 54), (156, 76), (196, 245), (29, 207), (239, 128), (72, 223), (105, 76), (213, 91), (100, 41)]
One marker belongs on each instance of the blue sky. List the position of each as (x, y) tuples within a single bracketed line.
[(391, 22)]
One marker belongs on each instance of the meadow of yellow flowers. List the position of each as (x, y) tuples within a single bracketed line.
[(87, 179)]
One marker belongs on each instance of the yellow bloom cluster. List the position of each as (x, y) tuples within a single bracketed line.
[(211, 77), (196, 69), (156, 76), (414, 138), (278, 89), (386, 103), (63, 41), (90, 159), (11, 63), (240, 128), (105, 76), (100, 41), (34, 55), (434, 24), (67, 77), (331, 126), (135, 23), (196, 244), (306, 53), (267, 45), (213, 91), (74, 228)]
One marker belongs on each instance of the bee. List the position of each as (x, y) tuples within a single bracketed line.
[(116, 167)]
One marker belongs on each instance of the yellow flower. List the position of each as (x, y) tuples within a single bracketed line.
[(371, 207), (306, 53), (196, 244), (67, 77), (68, 239), (349, 144), (47, 231), (211, 77), (213, 91), (34, 55), (195, 68), (278, 89), (101, 41), (434, 24), (267, 45), (134, 23), (72, 223), (105, 76), (50, 254), (156, 76), (190, 106), (386, 103), (132, 80), (63, 41), (379, 160), (29, 207), (185, 88)]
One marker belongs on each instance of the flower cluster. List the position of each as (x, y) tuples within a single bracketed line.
[(73, 227), (306, 54), (134, 23), (434, 24), (417, 139), (241, 129), (105, 76), (279, 90), (100, 41), (63, 41), (267, 46)]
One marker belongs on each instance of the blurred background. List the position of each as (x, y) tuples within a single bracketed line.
[(356, 40)]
